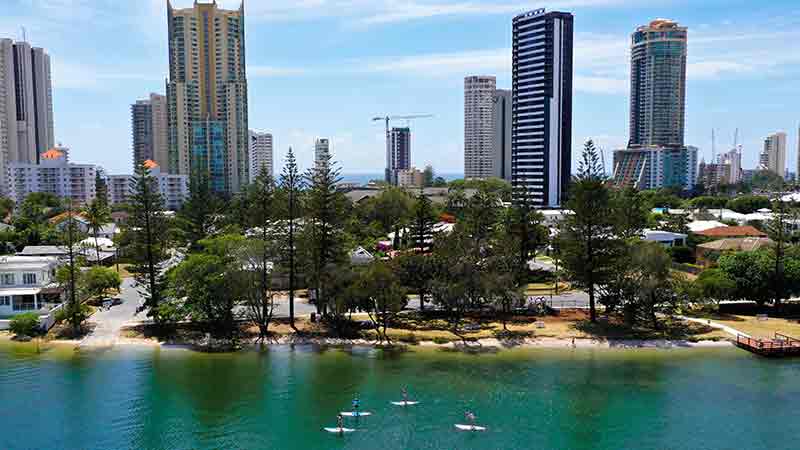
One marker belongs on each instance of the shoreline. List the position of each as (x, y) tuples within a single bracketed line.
[(482, 345)]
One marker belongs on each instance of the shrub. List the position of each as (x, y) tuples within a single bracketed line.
[(25, 324), (681, 254)]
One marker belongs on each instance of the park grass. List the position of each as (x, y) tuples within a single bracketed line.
[(762, 329)]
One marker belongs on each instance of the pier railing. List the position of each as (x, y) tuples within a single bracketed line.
[(781, 345)]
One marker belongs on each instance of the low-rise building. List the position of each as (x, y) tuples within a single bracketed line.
[(54, 175), (28, 284), (412, 177), (174, 189)]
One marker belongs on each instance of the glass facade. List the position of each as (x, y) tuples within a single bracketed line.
[(208, 153)]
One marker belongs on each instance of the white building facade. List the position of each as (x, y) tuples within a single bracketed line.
[(260, 154), (479, 94), (54, 175), (773, 157), (174, 188), (28, 284)]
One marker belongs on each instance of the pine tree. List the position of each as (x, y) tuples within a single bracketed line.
[(587, 241), (422, 224), (71, 238), (291, 187), (148, 243), (323, 238)]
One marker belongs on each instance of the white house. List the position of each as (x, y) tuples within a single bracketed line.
[(666, 238), (27, 283)]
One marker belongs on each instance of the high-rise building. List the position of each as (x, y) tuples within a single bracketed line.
[(54, 174), (322, 149), (26, 104), (207, 95), (656, 155), (541, 136), (733, 159), (798, 152), (658, 84), (773, 157), (479, 92), (149, 130), (501, 123), (260, 154), (399, 157), (654, 167)]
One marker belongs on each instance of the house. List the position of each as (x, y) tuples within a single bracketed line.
[(60, 222), (27, 284), (708, 252), (665, 238), (360, 257), (44, 250), (732, 232)]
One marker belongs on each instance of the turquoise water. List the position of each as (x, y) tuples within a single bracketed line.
[(281, 398)]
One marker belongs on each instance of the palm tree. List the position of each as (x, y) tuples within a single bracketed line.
[(97, 214)]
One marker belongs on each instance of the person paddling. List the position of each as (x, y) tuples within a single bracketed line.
[(340, 423), (404, 393), (470, 417), (356, 405)]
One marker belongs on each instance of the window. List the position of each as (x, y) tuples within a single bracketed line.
[(28, 278), (7, 279), (5, 300)]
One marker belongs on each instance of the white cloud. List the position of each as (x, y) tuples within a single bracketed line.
[(274, 71), (81, 76)]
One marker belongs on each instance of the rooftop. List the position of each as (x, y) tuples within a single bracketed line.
[(742, 231)]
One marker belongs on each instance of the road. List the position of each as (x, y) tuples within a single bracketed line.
[(108, 324)]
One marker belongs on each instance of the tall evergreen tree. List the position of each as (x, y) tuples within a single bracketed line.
[(291, 187), (148, 242), (323, 237), (587, 241), (422, 224), (71, 238), (779, 231), (198, 215)]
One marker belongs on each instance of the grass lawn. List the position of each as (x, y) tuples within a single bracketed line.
[(534, 289), (759, 328)]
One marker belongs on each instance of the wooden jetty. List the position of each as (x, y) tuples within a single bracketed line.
[(782, 345)]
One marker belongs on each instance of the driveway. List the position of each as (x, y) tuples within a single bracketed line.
[(109, 323)]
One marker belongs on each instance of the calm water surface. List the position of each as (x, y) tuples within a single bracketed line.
[(281, 398)]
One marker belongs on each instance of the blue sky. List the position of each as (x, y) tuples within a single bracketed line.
[(326, 67)]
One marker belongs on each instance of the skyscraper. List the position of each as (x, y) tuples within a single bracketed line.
[(773, 157), (658, 84), (479, 94), (399, 157), (26, 104), (322, 148), (656, 155), (541, 136), (260, 155), (207, 95), (798, 153), (501, 124), (149, 130)]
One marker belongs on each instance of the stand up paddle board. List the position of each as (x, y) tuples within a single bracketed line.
[(339, 430), (461, 427), (409, 403), (356, 413)]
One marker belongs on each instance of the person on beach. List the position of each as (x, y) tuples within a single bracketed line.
[(573, 342)]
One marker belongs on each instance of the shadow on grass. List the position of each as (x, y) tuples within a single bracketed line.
[(612, 328)]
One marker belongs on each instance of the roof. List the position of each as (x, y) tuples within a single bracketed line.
[(52, 154), (740, 231), (737, 244), (702, 225), (662, 236), (79, 217), (43, 250)]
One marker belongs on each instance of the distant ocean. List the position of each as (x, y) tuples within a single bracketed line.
[(364, 178)]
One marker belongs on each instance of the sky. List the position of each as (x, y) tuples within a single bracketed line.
[(325, 68)]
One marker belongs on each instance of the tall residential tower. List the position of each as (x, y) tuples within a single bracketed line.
[(773, 157), (541, 136), (260, 154), (207, 95), (399, 157), (656, 155), (149, 131), (26, 104), (478, 126)]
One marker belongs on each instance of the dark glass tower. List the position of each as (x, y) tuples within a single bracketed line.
[(541, 130)]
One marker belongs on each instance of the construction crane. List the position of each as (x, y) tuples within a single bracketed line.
[(387, 119)]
